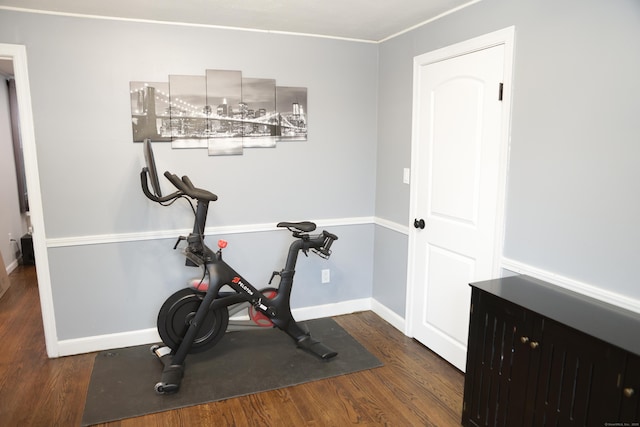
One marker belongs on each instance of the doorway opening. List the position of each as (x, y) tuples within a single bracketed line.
[(17, 55), (14, 219)]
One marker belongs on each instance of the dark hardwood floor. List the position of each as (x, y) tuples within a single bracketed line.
[(413, 388)]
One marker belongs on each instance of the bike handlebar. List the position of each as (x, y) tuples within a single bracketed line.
[(328, 239), (321, 244), (186, 186), (147, 192)]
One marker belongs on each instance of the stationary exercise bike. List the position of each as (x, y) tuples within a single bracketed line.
[(194, 319)]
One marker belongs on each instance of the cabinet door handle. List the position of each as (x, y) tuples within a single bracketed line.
[(524, 340), (628, 392), (534, 344)]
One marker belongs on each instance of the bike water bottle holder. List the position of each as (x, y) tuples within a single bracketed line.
[(274, 274), (193, 259), (197, 257)]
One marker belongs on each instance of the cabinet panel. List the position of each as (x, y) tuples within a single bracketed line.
[(630, 389), (497, 363), (575, 382)]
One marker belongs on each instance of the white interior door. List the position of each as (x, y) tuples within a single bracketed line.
[(459, 164)]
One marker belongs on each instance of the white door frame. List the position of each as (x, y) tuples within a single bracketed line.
[(18, 54), (504, 37)]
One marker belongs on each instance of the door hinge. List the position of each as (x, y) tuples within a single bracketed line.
[(500, 90)]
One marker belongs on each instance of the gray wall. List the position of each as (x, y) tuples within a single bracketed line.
[(574, 183), (390, 269), (80, 71), (120, 287)]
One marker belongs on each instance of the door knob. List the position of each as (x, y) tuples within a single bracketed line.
[(418, 223)]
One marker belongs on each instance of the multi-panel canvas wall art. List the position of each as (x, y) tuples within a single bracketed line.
[(292, 105), (221, 111), (188, 121), (259, 104), (224, 90), (150, 111)]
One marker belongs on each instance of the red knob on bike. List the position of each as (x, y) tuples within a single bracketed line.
[(222, 244)]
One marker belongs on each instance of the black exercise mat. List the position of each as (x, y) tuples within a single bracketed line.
[(243, 362)]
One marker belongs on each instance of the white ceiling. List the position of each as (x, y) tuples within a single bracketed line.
[(367, 20)]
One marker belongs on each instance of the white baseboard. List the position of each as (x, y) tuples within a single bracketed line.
[(12, 266), (592, 291), (149, 336), (388, 315), (106, 342), (328, 310)]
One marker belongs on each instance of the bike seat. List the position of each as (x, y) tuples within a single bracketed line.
[(304, 226)]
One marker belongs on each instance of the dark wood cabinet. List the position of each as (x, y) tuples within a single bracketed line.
[(630, 385), (541, 355)]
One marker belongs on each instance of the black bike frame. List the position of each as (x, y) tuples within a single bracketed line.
[(277, 309), (221, 274)]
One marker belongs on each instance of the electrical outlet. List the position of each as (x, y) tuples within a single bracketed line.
[(326, 275)]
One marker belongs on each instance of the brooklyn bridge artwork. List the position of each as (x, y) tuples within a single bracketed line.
[(220, 111)]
